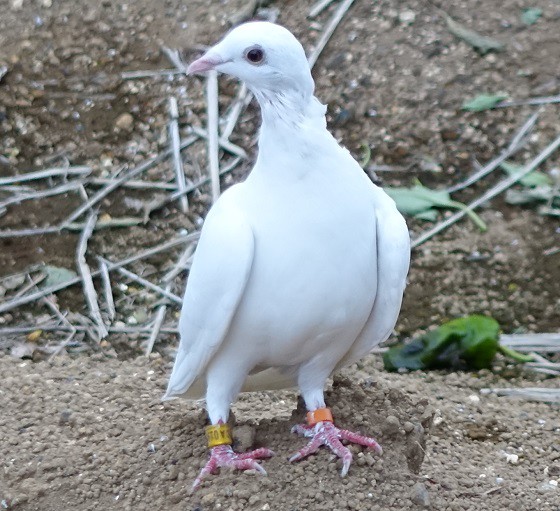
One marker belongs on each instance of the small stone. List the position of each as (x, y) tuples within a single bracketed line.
[(66, 417), (512, 458), (419, 495), (547, 487), (244, 437), (124, 122), (408, 427), (407, 17), (391, 426)]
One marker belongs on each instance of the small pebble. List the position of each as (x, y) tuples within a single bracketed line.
[(419, 495), (124, 122)]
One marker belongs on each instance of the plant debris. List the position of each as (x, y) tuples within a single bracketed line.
[(464, 343), (480, 43), (531, 15), (420, 202), (483, 102)]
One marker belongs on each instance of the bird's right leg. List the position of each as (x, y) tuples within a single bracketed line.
[(219, 394)]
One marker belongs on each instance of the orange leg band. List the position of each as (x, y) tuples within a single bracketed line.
[(319, 415)]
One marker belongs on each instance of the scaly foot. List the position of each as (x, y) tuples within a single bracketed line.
[(327, 434), (224, 456)]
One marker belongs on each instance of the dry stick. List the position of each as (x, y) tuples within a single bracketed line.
[(176, 152), (174, 196), (41, 194), (517, 142), (107, 290), (490, 194), (158, 322), (328, 31), (20, 233), (80, 328), (529, 393), (180, 265), (42, 174), (136, 185), (102, 224), (49, 302), (125, 221), (213, 146), (87, 279), (175, 59), (225, 144), (113, 266), (148, 164), (144, 282), (532, 342), (319, 7), (239, 104), (133, 75), (546, 100)]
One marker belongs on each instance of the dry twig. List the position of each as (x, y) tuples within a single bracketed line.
[(107, 290), (148, 164), (490, 194), (517, 142), (86, 276), (43, 174), (142, 281), (329, 30), (175, 139), (32, 297), (158, 322), (213, 146), (529, 393), (319, 7)]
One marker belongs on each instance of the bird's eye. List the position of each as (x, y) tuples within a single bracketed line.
[(255, 55)]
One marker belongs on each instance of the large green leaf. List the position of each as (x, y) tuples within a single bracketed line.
[(464, 343), (419, 201)]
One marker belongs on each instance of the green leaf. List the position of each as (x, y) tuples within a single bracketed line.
[(480, 43), (464, 343), (419, 200), (483, 102), (56, 275), (430, 215), (530, 15), (533, 179)]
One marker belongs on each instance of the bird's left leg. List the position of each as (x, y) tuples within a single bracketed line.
[(322, 431), (219, 394)]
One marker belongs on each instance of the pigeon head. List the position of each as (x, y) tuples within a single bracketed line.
[(266, 56)]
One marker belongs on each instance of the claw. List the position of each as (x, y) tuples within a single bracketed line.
[(223, 456), (327, 434)]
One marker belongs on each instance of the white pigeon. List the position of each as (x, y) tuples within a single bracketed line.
[(300, 269)]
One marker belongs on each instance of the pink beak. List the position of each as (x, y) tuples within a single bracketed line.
[(204, 63)]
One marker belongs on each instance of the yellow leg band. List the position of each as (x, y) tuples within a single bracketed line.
[(220, 434)]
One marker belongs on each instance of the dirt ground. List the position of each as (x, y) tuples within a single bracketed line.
[(86, 429)]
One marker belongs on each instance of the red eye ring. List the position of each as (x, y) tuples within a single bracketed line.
[(255, 55)]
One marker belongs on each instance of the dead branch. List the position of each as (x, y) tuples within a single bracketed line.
[(86, 276), (43, 174)]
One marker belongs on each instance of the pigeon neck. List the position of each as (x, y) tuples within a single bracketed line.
[(289, 112)]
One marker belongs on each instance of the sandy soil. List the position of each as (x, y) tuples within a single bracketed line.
[(87, 428), (79, 434)]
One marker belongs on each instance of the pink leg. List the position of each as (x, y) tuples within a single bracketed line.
[(224, 456), (327, 434)]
